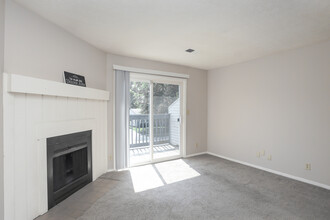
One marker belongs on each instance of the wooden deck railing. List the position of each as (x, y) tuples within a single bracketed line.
[(139, 129)]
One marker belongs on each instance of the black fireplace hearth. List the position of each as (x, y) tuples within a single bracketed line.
[(69, 165)]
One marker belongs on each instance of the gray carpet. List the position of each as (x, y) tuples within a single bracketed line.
[(221, 190)]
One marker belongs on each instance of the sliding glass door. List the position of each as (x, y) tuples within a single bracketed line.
[(155, 128), (166, 118), (139, 126)]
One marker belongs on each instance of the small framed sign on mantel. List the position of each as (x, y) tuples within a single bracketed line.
[(74, 79)]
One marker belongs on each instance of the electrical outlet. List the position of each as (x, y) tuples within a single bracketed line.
[(258, 154), (308, 166), (188, 112), (263, 152), (269, 157), (196, 145), (110, 157)]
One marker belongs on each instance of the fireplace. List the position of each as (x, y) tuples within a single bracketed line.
[(69, 165)]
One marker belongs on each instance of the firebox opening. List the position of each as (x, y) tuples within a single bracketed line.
[(69, 165)]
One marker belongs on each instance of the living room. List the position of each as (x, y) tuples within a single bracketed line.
[(182, 110)]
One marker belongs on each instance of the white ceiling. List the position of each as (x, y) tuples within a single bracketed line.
[(222, 32)]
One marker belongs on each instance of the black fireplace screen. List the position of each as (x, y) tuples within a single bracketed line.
[(69, 165)]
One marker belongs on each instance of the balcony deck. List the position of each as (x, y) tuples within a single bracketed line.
[(142, 154), (139, 137)]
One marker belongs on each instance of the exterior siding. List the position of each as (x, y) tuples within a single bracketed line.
[(174, 111)]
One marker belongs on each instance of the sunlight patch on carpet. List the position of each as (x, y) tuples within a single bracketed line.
[(176, 171), (156, 175), (144, 178)]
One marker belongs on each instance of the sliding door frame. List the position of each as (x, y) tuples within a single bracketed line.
[(182, 83)]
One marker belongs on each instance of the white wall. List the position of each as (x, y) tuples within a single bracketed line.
[(38, 48), (196, 99), (279, 103), (2, 33), (2, 39)]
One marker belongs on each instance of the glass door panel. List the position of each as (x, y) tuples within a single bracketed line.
[(166, 120), (139, 126)]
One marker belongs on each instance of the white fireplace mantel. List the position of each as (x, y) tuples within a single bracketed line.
[(34, 110), (30, 85)]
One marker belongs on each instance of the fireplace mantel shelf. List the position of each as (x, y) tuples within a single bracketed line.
[(30, 85)]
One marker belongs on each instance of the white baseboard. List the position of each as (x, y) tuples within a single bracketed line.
[(196, 154), (273, 171), (110, 170)]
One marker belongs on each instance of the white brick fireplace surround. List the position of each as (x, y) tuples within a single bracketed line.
[(35, 110)]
